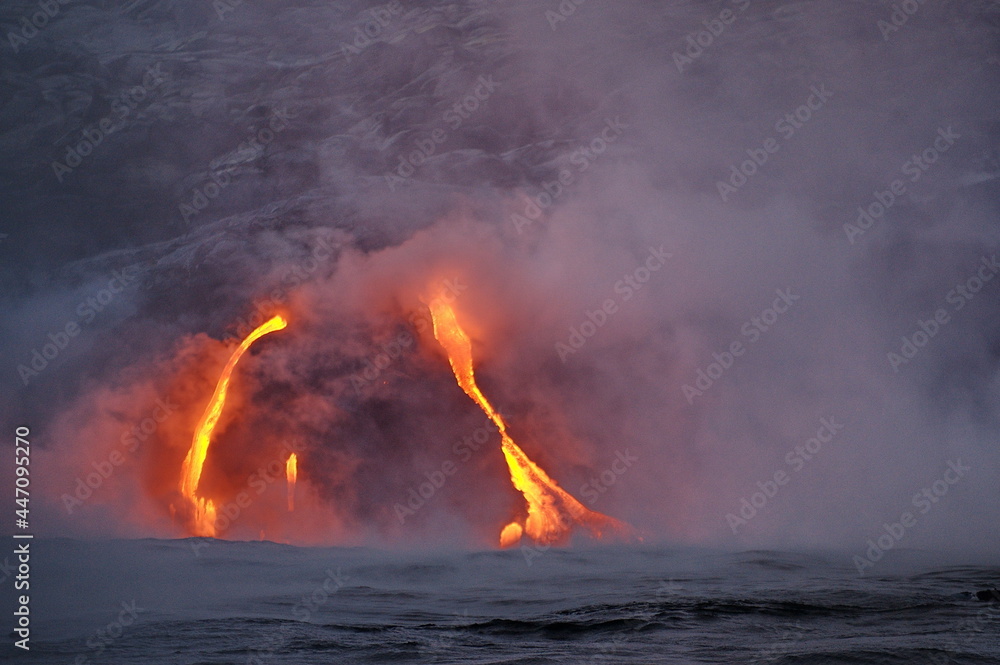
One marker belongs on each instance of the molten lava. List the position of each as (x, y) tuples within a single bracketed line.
[(291, 473), (552, 512), (204, 509), (511, 534)]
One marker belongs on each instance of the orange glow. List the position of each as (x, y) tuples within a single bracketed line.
[(511, 535), (204, 509), (552, 512), (291, 474)]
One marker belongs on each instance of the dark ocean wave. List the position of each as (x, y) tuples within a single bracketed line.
[(263, 603)]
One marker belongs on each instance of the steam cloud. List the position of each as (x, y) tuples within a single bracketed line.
[(532, 168)]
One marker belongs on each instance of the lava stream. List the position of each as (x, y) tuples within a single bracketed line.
[(204, 509), (291, 474), (552, 512)]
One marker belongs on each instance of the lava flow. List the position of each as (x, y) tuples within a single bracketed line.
[(291, 473), (552, 512), (204, 509)]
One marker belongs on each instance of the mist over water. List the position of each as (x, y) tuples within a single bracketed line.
[(219, 601), (728, 267)]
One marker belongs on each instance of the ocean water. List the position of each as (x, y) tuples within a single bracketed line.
[(205, 601)]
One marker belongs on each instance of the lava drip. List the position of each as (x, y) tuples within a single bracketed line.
[(291, 474), (204, 508), (552, 512)]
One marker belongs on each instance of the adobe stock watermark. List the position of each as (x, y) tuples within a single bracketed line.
[(797, 458), (257, 139), (900, 16), (630, 284), (582, 158), (31, 26), (321, 251), (87, 311), (923, 500), (446, 639), (126, 103), (109, 634), (958, 298), (784, 644), (971, 628), (131, 439), (424, 148), (535, 550), (753, 330), (914, 168), (563, 11), (698, 42), (420, 495), (223, 7), (372, 30), (303, 610), (229, 512), (668, 589), (392, 350), (601, 483), (786, 127), (334, 581), (611, 651)]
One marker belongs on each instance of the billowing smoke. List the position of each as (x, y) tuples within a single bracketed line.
[(728, 267)]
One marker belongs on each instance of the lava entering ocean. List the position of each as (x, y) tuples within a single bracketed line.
[(204, 508), (291, 474), (552, 512)]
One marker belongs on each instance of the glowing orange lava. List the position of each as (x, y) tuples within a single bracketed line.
[(204, 509), (291, 474), (511, 534), (552, 512)]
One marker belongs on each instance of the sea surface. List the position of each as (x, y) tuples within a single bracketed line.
[(199, 601)]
